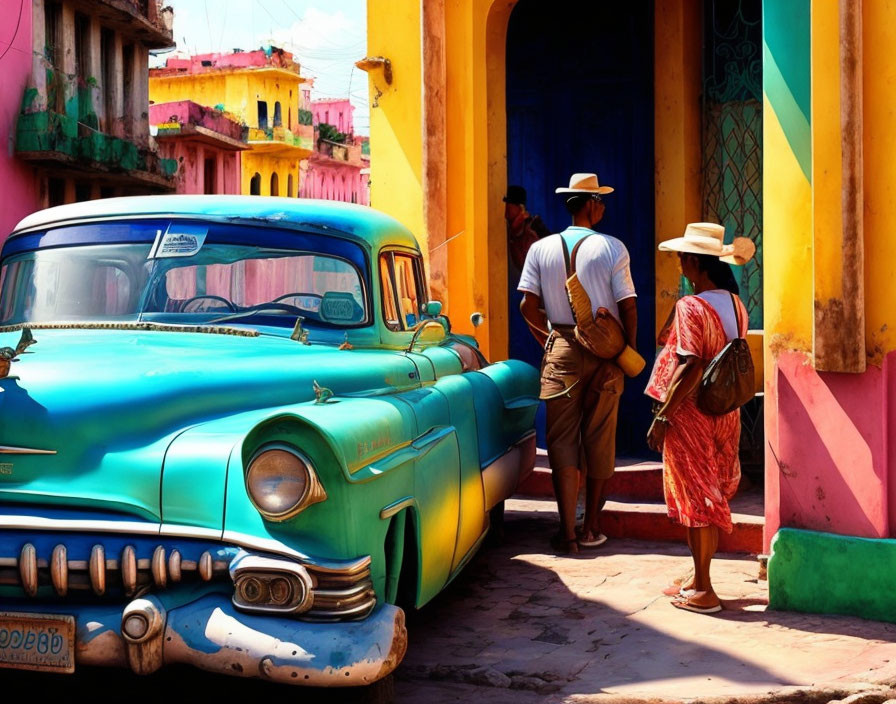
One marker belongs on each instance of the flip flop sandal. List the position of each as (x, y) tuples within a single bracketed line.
[(563, 546), (594, 542), (686, 605), (677, 590)]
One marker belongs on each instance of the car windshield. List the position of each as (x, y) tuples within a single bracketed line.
[(187, 273)]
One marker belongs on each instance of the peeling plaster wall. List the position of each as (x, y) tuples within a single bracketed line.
[(18, 182), (829, 463)]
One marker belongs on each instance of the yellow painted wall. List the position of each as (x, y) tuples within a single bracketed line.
[(396, 117), (476, 147), (879, 76), (826, 152), (239, 93), (677, 85), (266, 165), (787, 243)]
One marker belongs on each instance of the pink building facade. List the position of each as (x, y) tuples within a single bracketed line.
[(18, 180), (338, 169), (206, 143)]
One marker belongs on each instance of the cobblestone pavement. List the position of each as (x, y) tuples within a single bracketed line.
[(522, 625)]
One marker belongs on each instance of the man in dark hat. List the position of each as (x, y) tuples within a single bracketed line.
[(523, 228)]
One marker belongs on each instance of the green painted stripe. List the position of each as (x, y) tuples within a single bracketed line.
[(793, 121), (787, 36), (832, 574)]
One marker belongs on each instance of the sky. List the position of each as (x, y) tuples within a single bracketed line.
[(327, 36)]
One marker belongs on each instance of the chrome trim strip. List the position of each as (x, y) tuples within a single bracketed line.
[(355, 612), (397, 507), (9, 450), (74, 524), (361, 588), (172, 530), (315, 564)]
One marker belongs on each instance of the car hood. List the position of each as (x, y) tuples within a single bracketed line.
[(108, 403)]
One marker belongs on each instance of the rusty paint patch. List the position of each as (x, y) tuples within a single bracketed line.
[(839, 334), (399, 646), (780, 343)]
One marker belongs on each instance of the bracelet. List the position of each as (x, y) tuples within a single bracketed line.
[(662, 419)]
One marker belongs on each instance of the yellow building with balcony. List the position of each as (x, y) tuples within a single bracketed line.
[(259, 88)]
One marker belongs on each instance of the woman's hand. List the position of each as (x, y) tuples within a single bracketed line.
[(656, 436)]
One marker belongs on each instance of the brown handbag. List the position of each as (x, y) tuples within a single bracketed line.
[(601, 334), (728, 380)]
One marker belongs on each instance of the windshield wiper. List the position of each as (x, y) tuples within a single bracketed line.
[(244, 314)]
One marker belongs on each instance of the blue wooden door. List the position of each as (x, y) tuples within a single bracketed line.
[(580, 99)]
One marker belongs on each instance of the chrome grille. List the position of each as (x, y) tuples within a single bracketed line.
[(116, 564), (341, 595), (103, 575)]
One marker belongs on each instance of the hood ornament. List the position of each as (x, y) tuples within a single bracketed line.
[(8, 355), (322, 394), (299, 334)]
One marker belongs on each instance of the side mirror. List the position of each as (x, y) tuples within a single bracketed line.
[(432, 309), (477, 319)]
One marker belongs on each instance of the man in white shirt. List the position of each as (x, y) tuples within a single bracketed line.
[(581, 391)]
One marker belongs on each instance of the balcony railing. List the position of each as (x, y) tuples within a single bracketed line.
[(349, 153), (300, 138)]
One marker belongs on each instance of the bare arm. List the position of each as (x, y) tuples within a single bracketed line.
[(533, 314), (628, 312), (685, 379), (667, 328)]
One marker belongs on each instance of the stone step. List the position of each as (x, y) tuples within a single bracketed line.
[(650, 521), (642, 481), (636, 508)]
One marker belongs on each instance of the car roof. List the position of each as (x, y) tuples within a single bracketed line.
[(359, 222)]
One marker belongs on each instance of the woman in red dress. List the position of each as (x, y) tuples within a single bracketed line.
[(701, 468)]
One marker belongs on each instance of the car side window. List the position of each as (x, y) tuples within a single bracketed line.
[(403, 290), (390, 305)]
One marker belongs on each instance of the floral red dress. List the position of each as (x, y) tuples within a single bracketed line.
[(701, 467)]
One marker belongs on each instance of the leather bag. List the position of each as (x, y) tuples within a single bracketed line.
[(601, 334), (727, 382)]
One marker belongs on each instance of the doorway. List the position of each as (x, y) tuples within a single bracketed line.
[(580, 99)]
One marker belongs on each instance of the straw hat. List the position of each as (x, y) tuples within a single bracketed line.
[(584, 183), (709, 238)]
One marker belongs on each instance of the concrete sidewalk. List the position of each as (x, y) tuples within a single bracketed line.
[(522, 625)]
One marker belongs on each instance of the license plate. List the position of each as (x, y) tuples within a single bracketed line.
[(44, 642)]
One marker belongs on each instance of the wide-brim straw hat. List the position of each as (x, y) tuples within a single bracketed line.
[(709, 238), (585, 183)]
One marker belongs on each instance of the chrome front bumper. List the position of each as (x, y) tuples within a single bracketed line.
[(211, 634)]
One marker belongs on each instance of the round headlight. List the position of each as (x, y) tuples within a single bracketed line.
[(278, 481)]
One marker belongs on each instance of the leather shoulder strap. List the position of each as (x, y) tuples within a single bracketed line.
[(571, 266), (736, 313), (565, 254)]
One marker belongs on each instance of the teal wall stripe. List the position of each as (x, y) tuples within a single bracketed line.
[(786, 74)]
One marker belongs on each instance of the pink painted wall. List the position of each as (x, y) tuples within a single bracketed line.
[(18, 182), (191, 156), (186, 112), (203, 63), (829, 460), (191, 152), (337, 112), (335, 179), (331, 180)]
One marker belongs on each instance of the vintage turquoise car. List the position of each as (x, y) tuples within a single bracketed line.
[(235, 433)]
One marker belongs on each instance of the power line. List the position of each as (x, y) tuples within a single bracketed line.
[(15, 32)]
